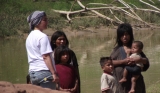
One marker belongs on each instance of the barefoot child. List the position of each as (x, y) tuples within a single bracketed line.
[(108, 82), (68, 80), (136, 69)]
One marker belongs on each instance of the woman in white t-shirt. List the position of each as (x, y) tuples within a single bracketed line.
[(41, 68)]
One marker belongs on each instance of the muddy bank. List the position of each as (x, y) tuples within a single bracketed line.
[(90, 31), (7, 87)]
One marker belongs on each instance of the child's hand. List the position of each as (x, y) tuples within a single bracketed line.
[(67, 90), (73, 90)]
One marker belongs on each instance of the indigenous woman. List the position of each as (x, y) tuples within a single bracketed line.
[(119, 55)]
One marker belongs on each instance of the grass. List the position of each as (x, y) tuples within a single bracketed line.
[(14, 13)]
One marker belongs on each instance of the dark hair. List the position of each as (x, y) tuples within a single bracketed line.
[(139, 44), (55, 36), (104, 60), (59, 51), (122, 28)]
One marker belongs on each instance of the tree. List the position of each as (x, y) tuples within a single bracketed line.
[(128, 10)]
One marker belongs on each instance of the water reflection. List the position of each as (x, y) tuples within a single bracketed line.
[(14, 66), (13, 61)]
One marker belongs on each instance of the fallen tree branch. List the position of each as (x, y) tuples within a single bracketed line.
[(130, 8), (99, 14), (149, 5), (70, 12), (116, 17), (148, 10), (127, 10), (97, 4)]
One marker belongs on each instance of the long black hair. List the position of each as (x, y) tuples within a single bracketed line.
[(59, 51), (55, 36), (122, 28)]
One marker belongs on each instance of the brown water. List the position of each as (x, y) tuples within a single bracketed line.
[(13, 61), (14, 66)]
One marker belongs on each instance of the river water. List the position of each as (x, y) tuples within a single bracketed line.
[(14, 66)]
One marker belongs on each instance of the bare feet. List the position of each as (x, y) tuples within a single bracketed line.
[(123, 80), (131, 91)]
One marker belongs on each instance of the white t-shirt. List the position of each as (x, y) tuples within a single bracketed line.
[(37, 44), (108, 82)]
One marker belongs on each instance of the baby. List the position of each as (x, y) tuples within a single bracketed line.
[(135, 70)]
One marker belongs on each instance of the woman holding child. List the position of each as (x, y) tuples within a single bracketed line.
[(119, 55)]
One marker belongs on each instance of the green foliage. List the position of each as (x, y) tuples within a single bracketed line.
[(14, 14), (62, 5)]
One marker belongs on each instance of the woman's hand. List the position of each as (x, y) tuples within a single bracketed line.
[(126, 61), (130, 61), (55, 78)]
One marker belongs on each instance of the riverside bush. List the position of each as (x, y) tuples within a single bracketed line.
[(13, 14)]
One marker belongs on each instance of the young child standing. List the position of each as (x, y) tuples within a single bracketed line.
[(108, 82), (136, 69), (68, 80)]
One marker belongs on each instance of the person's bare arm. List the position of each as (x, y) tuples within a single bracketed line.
[(140, 60), (48, 61), (75, 87), (66, 90), (143, 60), (120, 62)]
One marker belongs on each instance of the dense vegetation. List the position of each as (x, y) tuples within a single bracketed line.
[(13, 14)]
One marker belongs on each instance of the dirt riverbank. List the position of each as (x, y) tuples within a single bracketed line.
[(7, 87)]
